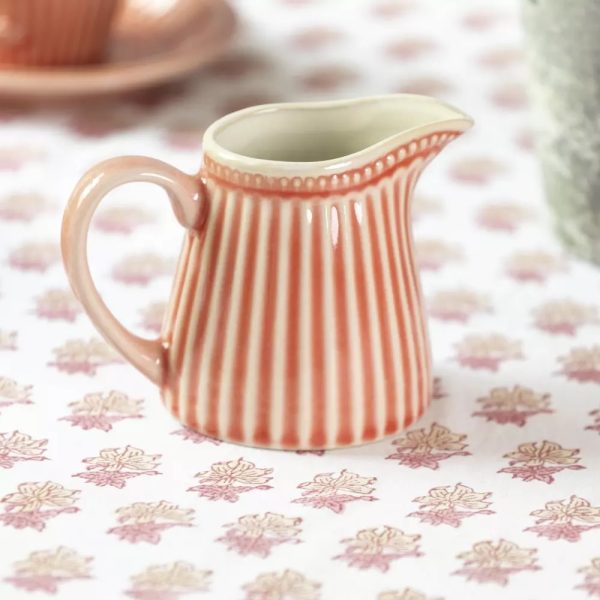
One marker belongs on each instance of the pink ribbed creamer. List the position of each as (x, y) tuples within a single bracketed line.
[(296, 318)]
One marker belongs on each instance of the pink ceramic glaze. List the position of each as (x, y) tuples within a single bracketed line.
[(296, 318), (54, 32)]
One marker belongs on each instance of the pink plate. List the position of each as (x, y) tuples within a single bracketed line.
[(148, 48)]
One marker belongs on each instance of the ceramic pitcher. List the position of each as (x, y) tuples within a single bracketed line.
[(296, 318)]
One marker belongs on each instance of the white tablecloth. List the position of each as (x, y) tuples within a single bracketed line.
[(494, 494)]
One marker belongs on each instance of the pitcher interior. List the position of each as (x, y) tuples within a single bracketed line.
[(319, 132)]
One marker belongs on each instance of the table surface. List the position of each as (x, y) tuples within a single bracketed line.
[(494, 493)]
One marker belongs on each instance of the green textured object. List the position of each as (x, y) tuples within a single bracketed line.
[(563, 40)]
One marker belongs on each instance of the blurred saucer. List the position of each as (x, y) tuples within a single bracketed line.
[(154, 41)]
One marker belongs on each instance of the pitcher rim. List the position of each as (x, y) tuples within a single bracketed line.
[(456, 121)]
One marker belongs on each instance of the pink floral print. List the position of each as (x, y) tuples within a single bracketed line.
[(12, 392), (22, 207), (115, 466), (57, 304), (457, 305), (120, 219), (258, 534), (152, 316), (146, 521), (8, 340), (540, 461), (432, 255), (565, 519), (227, 480), (47, 570), (513, 405), (447, 505), (17, 447), (81, 356), (595, 426), (141, 269), (35, 503), (101, 411), (496, 562), (487, 351), (377, 548), (195, 436), (331, 491), (581, 364), (423, 448), (591, 578), (502, 216), (287, 585), (564, 316), (536, 266), (14, 157), (34, 256), (169, 581), (476, 170)]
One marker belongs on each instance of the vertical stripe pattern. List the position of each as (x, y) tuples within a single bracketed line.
[(298, 322)]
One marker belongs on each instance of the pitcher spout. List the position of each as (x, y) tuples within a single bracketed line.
[(325, 138)]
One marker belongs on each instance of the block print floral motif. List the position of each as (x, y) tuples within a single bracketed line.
[(502, 216), (12, 158), (540, 461), (316, 37), (22, 207), (482, 20), (81, 356), (476, 170), (582, 364), (427, 448), (489, 562), (439, 392), (424, 206), (258, 534), (47, 570), (121, 219), (238, 64), (426, 85), (377, 548), (146, 521), (410, 48), (505, 405), (534, 265), (388, 9), (141, 269), (457, 305), (35, 503), (57, 304), (447, 505), (432, 255), (591, 578), (114, 466), (8, 340), (12, 392), (326, 78), (100, 122), (17, 446), (169, 582), (564, 316), (565, 519), (501, 57), (328, 490), (595, 426), (487, 351), (34, 256), (510, 95), (101, 411), (288, 585), (152, 316), (405, 594), (195, 436), (227, 480)]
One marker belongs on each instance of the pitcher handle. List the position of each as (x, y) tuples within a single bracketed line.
[(184, 193)]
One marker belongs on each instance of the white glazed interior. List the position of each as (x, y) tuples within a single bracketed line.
[(325, 136)]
